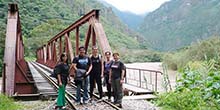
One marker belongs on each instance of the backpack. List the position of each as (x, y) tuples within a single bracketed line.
[(56, 70), (80, 74)]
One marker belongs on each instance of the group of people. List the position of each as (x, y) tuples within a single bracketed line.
[(93, 68)]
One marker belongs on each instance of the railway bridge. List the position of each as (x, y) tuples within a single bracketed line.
[(22, 78)]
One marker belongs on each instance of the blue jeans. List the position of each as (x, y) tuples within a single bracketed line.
[(82, 85)]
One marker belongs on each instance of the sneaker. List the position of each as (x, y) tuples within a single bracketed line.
[(86, 101), (118, 105), (109, 100), (78, 103), (63, 108), (55, 107)]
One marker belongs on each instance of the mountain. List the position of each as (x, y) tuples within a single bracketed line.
[(131, 19), (178, 23), (43, 19)]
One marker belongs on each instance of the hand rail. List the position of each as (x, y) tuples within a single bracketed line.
[(143, 78)]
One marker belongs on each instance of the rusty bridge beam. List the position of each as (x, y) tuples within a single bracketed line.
[(100, 35), (95, 32), (10, 49), (15, 67), (88, 35), (79, 22), (69, 50)]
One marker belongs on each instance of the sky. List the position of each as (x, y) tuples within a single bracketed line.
[(136, 6)]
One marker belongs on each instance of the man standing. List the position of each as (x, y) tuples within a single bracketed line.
[(82, 62), (116, 78), (96, 72)]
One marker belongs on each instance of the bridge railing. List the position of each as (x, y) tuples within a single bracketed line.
[(143, 78)]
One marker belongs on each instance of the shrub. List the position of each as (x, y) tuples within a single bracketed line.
[(198, 88), (200, 51), (184, 100)]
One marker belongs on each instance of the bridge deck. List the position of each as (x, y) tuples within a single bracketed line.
[(139, 97), (136, 90), (44, 88), (48, 72)]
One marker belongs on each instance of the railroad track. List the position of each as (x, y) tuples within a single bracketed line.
[(71, 93)]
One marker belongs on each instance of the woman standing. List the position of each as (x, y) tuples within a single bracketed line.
[(107, 67), (62, 78)]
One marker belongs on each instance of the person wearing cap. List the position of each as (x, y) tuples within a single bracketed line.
[(117, 74), (96, 73), (82, 62), (107, 67)]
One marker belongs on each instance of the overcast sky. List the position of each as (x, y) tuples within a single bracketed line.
[(136, 6)]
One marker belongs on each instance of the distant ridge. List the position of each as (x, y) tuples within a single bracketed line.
[(178, 23)]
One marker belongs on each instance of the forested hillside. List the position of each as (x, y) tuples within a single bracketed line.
[(178, 23), (42, 19)]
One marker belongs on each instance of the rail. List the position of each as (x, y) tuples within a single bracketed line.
[(43, 69), (143, 78), (54, 83)]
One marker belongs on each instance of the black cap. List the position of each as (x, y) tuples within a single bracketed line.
[(81, 47)]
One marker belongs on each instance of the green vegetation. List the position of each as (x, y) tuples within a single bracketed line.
[(41, 20), (204, 50), (140, 56), (8, 103), (198, 84), (178, 23), (198, 88)]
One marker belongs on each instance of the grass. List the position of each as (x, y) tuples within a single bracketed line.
[(7, 103)]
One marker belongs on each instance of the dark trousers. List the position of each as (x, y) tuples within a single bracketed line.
[(117, 91), (108, 85), (92, 78)]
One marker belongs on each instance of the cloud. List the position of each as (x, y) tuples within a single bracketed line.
[(136, 6)]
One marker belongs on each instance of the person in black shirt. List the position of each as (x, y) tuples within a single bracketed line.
[(63, 79), (96, 73), (107, 67), (82, 62), (117, 73)]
